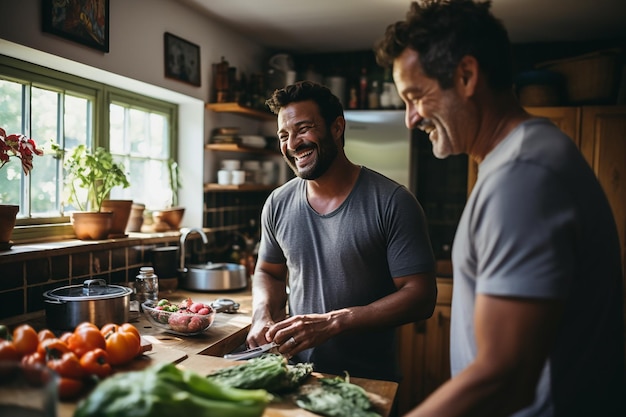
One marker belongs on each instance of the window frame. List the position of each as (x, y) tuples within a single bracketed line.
[(59, 227)]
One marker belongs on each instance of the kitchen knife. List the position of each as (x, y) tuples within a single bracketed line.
[(251, 353)]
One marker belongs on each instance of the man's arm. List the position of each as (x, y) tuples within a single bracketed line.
[(514, 337), (269, 300)]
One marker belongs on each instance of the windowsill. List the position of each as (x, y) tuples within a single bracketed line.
[(24, 251)]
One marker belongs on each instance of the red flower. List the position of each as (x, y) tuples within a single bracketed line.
[(20, 146)]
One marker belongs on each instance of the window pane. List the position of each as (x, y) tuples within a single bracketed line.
[(11, 101), (77, 118), (44, 176), (117, 144)]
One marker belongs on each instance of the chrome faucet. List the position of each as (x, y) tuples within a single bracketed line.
[(184, 233)]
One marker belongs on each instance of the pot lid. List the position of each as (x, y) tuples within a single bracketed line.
[(91, 289)]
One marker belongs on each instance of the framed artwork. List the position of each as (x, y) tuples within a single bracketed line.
[(82, 21), (182, 59)]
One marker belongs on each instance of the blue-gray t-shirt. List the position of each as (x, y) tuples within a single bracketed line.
[(347, 258), (537, 225)]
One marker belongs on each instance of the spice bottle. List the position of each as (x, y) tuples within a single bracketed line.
[(147, 286)]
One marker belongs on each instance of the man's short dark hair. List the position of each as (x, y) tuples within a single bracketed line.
[(329, 105), (442, 32)]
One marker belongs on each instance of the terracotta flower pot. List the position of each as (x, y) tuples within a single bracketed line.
[(136, 218), (92, 225), (121, 213), (171, 217), (7, 223)]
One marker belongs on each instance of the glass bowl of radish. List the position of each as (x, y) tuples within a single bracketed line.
[(187, 318)]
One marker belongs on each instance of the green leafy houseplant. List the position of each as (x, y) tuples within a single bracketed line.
[(96, 173)]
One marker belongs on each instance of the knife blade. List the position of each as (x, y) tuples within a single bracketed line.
[(251, 353)]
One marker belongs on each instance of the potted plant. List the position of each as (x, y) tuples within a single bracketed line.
[(90, 176), (23, 148)]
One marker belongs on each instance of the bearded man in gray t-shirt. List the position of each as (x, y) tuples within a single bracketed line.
[(350, 244)]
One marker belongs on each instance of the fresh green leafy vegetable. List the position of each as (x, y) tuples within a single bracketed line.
[(336, 397), (269, 371), (164, 389)]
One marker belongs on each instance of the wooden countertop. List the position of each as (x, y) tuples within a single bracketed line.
[(203, 353)]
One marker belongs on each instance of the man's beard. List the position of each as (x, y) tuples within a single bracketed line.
[(326, 153)]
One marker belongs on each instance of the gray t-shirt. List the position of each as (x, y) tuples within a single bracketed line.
[(538, 225), (347, 258)]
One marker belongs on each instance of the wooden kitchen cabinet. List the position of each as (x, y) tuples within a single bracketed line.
[(425, 352)]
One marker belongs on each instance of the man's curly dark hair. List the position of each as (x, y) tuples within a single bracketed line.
[(329, 105), (442, 32)]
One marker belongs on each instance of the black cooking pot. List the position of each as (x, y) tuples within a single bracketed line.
[(93, 301)]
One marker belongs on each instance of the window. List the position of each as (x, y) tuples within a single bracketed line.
[(50, 106), (140, 138)]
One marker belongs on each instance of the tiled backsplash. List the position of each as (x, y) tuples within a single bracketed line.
[(27, 271)]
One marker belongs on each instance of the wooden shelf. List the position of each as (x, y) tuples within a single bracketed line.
[(242, 187), (236, 108), (235, 147)]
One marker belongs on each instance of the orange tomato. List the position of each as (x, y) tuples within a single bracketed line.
[(25, 339), (45, 334), (127, 327), (84, 339), (96, 362), (8, 352), (65, 337), (69, 388), (52, 348), (122, 344), (67, 366), (86, 324)]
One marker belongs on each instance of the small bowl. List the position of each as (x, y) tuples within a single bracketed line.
[(179, 323)]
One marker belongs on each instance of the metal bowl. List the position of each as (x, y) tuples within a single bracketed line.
[(214, 277)]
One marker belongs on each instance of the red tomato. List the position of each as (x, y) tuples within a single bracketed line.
[(67, 366), (25, 339), (8, 352), (69, 388), (122, 345), (96, 362), (34, 358), (84, 339)]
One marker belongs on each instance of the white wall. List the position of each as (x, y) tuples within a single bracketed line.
[(135, 62)]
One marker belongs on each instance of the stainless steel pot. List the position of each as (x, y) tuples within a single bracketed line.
[(214, 277), (93, 301)]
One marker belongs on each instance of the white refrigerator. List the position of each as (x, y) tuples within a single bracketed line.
[(379, 140)]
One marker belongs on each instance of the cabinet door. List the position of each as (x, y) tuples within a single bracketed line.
[(437, 365), (425, 352), (604, 146)]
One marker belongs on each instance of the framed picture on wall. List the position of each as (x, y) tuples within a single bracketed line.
[(182, 59), (82, 21)]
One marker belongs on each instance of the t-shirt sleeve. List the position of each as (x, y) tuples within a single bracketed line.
[(409, 250), (524, 233)]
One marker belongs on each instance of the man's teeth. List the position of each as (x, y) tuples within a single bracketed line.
[(303, 155)]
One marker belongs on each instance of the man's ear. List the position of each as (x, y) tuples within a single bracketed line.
[(338, 127), (467, 75)]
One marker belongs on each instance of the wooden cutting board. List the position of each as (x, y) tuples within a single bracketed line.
[(382, 393)]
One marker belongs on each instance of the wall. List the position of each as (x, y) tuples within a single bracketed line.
[(135, 61)]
